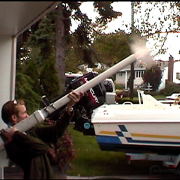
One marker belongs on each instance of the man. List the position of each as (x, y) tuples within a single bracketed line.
[(29, 150)]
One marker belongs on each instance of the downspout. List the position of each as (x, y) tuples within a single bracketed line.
[(13, 67), (126, 80)]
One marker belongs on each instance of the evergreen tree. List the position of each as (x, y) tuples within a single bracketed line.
[(153, 76), (24, 90), (40, 44), (26, 85), (49, 80), (40, 52), (32, 71)]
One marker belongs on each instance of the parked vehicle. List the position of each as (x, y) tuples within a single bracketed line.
[(69, 77), (173, 96)]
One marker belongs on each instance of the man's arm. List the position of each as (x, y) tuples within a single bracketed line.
[(51, 134), (28, 145)]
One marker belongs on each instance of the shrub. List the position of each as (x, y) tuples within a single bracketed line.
[(171, 88), (63, 151), (119, 86)]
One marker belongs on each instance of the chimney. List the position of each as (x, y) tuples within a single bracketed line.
[(170, 68)]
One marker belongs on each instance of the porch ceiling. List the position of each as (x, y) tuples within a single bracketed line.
[(16, 16)]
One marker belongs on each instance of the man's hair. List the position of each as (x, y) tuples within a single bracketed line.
[(10, 108)]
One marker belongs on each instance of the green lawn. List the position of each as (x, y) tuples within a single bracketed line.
[(91, 161)]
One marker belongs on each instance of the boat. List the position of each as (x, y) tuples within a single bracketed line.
[(147, 127)]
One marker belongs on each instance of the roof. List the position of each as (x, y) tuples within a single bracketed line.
[(16, 16)]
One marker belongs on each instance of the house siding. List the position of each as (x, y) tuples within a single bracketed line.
[(124, 74)]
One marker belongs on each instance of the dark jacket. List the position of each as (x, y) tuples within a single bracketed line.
[(30, 151)]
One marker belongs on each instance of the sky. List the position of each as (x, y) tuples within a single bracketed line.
[(125, 8), (122, 6)]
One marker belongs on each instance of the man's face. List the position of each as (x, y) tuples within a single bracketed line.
[(21, 115)]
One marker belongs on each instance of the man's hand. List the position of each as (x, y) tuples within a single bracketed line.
[(8, 133), (75, 97)]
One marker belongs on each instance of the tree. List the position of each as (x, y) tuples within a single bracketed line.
[(24, 90), (83, 33), (37, 52), (152, 19), (32, 71), (155, 20), (153, 76), (52, 35), (49, 80), (111, 48), (27, 85)]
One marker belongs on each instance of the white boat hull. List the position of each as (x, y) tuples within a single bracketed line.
[(136, 128)]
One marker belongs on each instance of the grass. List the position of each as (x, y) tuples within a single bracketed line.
[(90, 160)]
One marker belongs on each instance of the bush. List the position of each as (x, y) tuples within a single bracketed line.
[(122, 100), (62, 152), (170, 89), (119, 86)]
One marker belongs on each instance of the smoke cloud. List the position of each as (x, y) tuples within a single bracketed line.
[(141, 52)]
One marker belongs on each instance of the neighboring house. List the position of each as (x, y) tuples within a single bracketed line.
[(175, 74), (173, 69), (123, 75)]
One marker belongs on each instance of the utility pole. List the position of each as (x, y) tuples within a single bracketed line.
[(131, 84)]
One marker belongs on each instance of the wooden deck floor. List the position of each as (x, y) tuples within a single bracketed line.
[(13, 173), (17, 173)]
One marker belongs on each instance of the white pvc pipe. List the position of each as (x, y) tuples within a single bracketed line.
[(40, 115), (93, 82)]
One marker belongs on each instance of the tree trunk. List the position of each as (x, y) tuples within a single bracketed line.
[(60, 47)]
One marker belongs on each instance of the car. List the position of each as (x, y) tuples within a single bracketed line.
[(69, 77), (173, 96)]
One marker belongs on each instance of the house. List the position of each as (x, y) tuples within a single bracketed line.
[(123, 75), (170, 71)]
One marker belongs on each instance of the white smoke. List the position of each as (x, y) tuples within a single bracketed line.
[(141, 52)]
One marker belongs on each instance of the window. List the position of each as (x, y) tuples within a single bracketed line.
[(178, 75), (120, 74), (139, 74)]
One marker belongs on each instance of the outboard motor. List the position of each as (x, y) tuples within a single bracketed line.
[(92, 99)]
